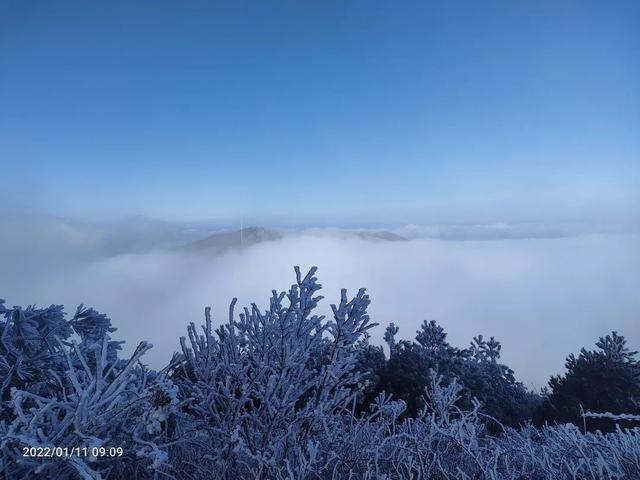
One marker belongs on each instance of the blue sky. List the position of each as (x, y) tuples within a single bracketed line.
[(321, 112)]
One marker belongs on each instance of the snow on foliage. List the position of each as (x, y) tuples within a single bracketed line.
[(275, 394)]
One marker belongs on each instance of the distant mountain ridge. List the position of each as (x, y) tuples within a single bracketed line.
[(384, 235), (244, 237)]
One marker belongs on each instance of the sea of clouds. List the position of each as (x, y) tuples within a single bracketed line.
[(543, 297)]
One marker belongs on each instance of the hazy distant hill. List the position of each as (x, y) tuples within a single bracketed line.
[(238, 238), (219, 242), (381, 235)]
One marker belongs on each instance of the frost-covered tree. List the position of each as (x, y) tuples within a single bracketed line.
[(603, 380), (30, 356), (502, 397), (477, 369), (407, 372)]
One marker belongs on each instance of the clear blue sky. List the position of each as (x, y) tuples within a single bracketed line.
[(331, 111)]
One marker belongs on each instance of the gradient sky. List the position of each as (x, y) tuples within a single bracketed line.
[(325, 112)]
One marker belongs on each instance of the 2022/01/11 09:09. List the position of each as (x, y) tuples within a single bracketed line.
[(72, 452)]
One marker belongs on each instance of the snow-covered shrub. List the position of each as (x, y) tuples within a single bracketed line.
[(267, 382), (63, 386)]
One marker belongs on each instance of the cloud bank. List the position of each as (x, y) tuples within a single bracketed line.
[(542, 297)]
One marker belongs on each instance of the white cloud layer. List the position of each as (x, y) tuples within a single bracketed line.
[(542, 297)]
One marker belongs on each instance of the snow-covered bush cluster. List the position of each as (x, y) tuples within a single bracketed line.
[(284, 393)]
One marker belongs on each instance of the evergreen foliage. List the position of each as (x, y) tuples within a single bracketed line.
[(408, 372), (603, 380)]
